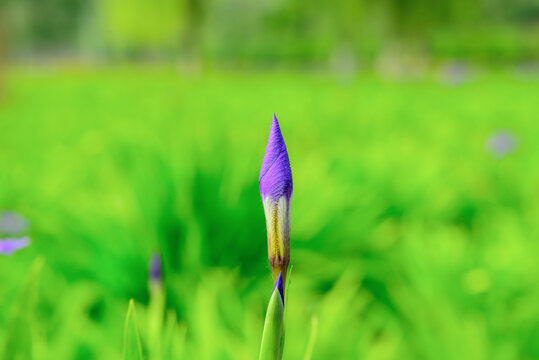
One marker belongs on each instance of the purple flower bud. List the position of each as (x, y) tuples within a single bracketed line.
[(276, 191), (275, 175), (9, 246), (155, 268)]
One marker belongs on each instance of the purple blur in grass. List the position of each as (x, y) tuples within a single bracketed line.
[(502, 143), (279, 286), (275, 175), (10, 245), (12, 223), (155, 268)]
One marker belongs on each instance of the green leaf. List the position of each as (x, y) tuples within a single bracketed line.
[(132, 344), (173, 337), (273, 335)]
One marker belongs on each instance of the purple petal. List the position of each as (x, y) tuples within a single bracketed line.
[(279, 286), (10, 245), (155, 268), (275, 175)]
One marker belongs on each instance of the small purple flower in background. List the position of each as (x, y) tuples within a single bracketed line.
[(12, 223), (9, 245), (455, 73), (276, 191), (501, 143), (155, 271)]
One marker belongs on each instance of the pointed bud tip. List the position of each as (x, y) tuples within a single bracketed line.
[(275, 175), (275, 134), (275, 124)]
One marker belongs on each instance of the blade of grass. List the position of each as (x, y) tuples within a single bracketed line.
[(132, 343), (312, 338)]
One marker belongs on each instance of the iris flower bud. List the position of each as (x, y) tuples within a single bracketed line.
[(155, 271), (276, 190), (156, 306)]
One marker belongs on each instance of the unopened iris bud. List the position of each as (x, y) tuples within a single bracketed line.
[(276, 190), (155, 270), (156, 306)]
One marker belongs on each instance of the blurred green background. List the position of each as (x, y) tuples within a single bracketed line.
[(130, 127)]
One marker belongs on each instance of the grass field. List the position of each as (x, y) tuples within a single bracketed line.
[(410, 240)]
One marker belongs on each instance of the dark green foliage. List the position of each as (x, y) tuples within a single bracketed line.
[(272, 32)]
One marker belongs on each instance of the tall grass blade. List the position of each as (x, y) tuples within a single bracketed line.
[(312, 338), (132, 343)]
